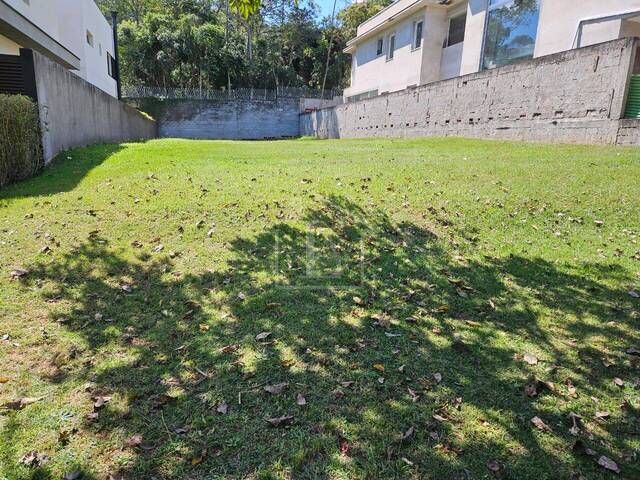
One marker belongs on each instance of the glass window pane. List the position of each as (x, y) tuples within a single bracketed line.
[(392, 46), (379, 49), (418, 40), (457, 27), (511, 33)]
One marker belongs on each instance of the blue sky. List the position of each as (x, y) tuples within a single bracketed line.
[(325, 6)]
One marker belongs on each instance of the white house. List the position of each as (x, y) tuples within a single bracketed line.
[(414, 42), (73, 33)]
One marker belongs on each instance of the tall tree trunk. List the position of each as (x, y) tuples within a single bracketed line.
[(326, 67)]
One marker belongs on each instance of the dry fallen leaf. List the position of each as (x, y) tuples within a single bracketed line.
[(280, 421), (134, 440), (379, 367), (75, 475), (406, 435), (609, 464), (300, 399), (263, 336), (530, 359), (603, 415), (222, 408), (19, 273), (618, 382), (34, 459), (20, 403), (229, 348), (414, 396), (441, 309), (276, 389), (100, 402), (537, 421), (571, 389), (438, 377), (4, 379)]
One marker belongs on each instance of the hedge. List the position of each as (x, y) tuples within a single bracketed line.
[(20, 143)]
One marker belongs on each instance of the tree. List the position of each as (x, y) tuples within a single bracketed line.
[(209, 44)]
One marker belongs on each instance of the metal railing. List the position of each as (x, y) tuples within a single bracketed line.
[(237, 94)]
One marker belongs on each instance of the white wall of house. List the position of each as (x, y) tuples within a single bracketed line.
[(557, 31), (378, 72), (67, 22), (435, 32), (557, 27), (94, 66), (559, 23)]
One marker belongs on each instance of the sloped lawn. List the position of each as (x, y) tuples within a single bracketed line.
[(427, 309)]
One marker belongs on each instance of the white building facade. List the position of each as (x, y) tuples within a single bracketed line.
[(73, 33), (415, 42)]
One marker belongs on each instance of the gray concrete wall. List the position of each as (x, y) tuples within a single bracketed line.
[(75, 113), (241, 119), (572, 97)]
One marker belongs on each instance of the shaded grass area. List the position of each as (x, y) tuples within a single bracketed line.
[(401, 284)]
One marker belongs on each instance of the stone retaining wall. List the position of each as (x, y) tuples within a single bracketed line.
[(577, 96)]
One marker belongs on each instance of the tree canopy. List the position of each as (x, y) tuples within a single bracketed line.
[(213, 44)]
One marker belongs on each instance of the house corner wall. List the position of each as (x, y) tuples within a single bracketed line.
[(435, 33), (473, 37)]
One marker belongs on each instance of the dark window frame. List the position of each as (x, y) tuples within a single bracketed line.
[(111, 66), (417, 38), (391, 46), (456, 40)]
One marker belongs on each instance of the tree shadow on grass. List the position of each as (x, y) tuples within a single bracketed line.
[(66, 176), (363, 313)]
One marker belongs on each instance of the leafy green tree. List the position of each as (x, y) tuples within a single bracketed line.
[(212, 44)]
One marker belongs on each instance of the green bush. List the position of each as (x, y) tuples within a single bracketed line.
[(20, 143)]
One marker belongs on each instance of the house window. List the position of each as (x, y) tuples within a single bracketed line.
[(380, 45), (457, 27), (417, 34), (90, 38), (391, 47), (511, 31), (111, 66)]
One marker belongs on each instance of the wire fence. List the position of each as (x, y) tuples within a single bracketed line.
[(237, 94)]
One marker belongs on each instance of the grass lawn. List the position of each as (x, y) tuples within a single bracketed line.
[(322, 309)]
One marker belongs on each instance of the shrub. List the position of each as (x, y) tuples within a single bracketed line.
[(20, 143)]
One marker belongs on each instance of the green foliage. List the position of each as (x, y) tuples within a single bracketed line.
[(20, 144), (213, 44), (356, 13)]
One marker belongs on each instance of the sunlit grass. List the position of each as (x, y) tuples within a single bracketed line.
[(402, 282)]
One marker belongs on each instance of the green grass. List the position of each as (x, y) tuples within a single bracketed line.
[(451, 257)]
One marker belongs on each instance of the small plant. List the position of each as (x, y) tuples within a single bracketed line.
[(20, 145)]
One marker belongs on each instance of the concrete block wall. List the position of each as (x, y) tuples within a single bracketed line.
[(241, 119), (571, 97), (75, 113)]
